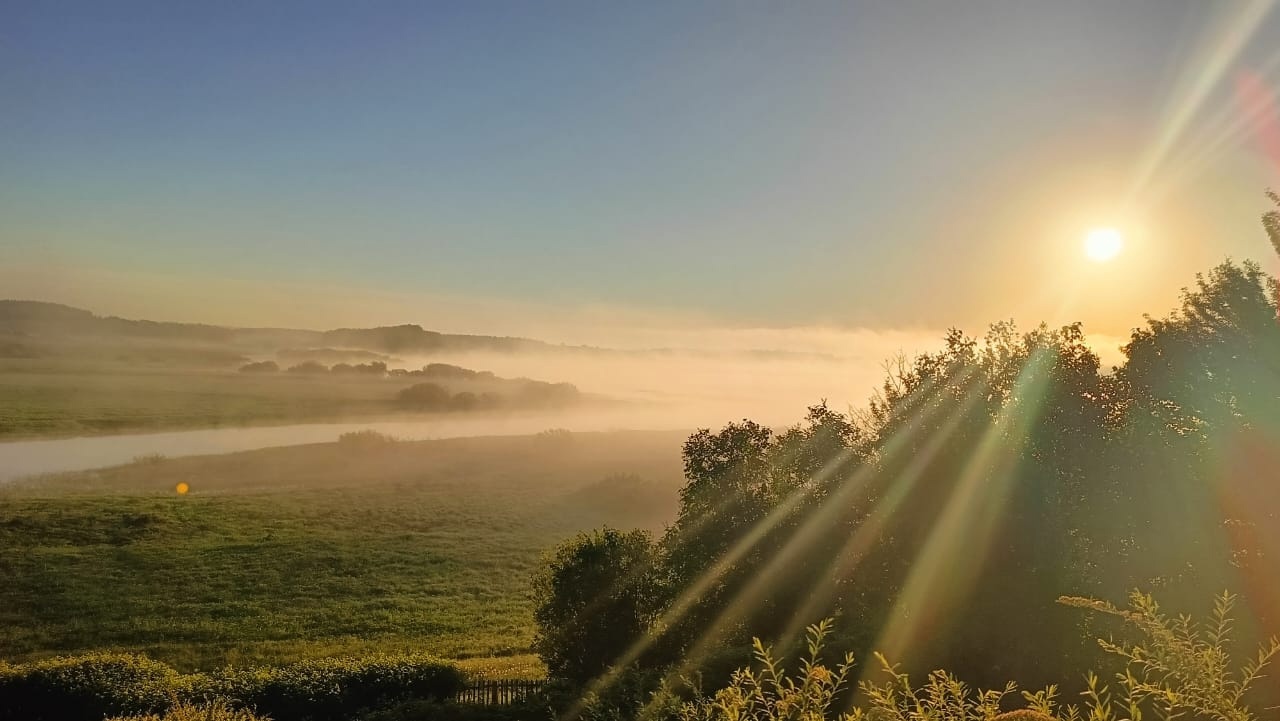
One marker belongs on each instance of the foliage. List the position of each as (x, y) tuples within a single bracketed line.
[(65, 688), (745, 478), (1180, 667), (594, 598), (90, 687), (553, 438), (983, 481), (531, 710), (377, 369), (186, 711), (816, 691), (333, 689), (522, 394), (771, 694), (367, 438), (1271, 221)]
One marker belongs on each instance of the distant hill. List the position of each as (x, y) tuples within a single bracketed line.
[(25, 323), (33, 320), (413, 338)]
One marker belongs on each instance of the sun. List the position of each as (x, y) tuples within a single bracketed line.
[(1103, 244)]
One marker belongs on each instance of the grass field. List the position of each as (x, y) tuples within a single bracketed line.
[(53, 399), (61, 397), (287, 553)]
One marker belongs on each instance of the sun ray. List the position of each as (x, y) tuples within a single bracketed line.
[(851, 554), (943, 571), (1188, 99), (894, 445), (819, 522), (1227, 127), (690, 596)]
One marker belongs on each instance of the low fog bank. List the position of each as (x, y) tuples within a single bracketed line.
[(625, 391), (682, 390)]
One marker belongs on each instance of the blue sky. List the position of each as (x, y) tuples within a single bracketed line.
[(875, 165)]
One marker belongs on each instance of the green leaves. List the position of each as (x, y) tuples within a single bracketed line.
[(90, 687), (1179, 667)]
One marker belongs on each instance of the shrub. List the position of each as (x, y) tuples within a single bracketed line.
[(816, 692), (85, 687), (424, 396), (335, 689), (595, 597), (367, 438), (532, 709), (1181, 667), (553, 438), (464, 401), (184, 711), (148, 459)]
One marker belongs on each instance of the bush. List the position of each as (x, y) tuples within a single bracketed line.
[(148, 459), (368, 438), (335, 689), (425, 397), (85, 688), (184, 711), (88, 688), (554, 438), (531, 709), (1179, 669), (594, 598)]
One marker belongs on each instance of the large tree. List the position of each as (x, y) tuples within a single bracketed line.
[(594, 598)]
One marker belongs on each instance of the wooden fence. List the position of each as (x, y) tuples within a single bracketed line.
[(498, 692)]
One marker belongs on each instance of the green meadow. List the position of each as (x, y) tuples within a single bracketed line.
[(290, 553), (55, 397)]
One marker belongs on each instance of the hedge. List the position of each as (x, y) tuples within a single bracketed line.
[(334, 689), (85, 688), (94, 686)]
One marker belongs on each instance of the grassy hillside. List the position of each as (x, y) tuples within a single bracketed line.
[(288, 553)]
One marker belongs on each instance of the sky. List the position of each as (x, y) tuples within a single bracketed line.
[(572, 170)]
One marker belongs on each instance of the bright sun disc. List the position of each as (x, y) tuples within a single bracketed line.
[(1103, 244)]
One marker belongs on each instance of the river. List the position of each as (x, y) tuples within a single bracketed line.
[(32, 457)]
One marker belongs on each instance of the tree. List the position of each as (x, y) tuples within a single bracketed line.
[(1271, 221), (594, 598), (260, 367), (424, 397)]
